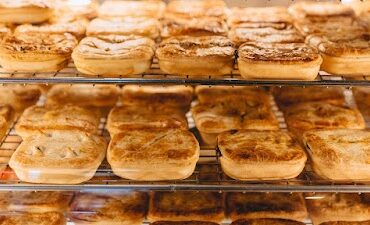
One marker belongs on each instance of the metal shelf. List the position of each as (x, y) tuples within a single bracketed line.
[(208, 175), (155, 76)]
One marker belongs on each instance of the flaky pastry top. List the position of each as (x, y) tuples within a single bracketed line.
[(186, 46), (25, 3), (197, 8), (116, 46), (283, 52), (259, 146), (142, 8), (273, 14), (42, 43), (321, 9)]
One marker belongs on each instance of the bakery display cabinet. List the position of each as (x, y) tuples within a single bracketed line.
[(196, 112)]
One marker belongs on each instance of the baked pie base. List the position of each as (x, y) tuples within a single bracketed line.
[(346, 66)]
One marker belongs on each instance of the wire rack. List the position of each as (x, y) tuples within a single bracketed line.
[(156, 76), (208, 174)]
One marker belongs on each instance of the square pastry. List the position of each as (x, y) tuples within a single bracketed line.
[(153, 154), (63, 117), (286, 96), (196, 56), (260, 155), (212, 119), (18, 96), (362, 97), (48, 218), (325, 207), (171, 96), (145, 27), (288, 206), (266, 222), (142, 8), (58, 157), (345, 53), (193, 26), (83, 95), (112, 208), (293, 61), (185, 206), (114, 55), (25, 11), (134, 117), (197, 8), (321, 115), (36, 53), (339, 154)]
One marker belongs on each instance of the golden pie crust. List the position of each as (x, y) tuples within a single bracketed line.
[(47, 218), (289, 206), (339, 154), (362, 97), (18, 96), (266, 222), (58, 157), (142, 8), (197, 8), (320, 9), (183, 206), (294, 61), (36, 53), (146, 27), (74, 9), (62, 117), (196, 56), (6, 119), (114, 55), (182, 223), (153, 154), (113, 208), (260, 155), (338, 207)]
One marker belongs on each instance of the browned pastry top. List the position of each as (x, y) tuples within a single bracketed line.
[(41, 43), (258, 14), (346, 223), (116, 46), (197, 8), (113, 207), (183, 223), (287, 52), (267, 222), (342, 44), (172, 204), (186, 46), (307, 9), (48, 218), (25, 3)]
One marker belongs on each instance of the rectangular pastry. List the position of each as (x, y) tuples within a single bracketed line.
[(146, 27), (36, 53), (83, 95), (294, 61), (266, 222), (325, 207), (153, 154), (48, 218), (58, 157), (172, 96), (288, 206), (197, 8), (113, 55), (196, 56), (339, 154), (346, 54), (26, 11), (6, 119), (260, 155), (63, 117), (321, 115), (198, 26), (286, 96), (362, 97), (19, 97), (113, 208), (39, 202), (134, 117), (212, 119), (184, 205), (143, 8)]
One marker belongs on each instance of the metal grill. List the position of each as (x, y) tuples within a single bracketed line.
[(208, 174), (155, 76)]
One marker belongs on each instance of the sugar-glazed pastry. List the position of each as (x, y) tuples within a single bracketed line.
[(25, 11), (113, 55), (36, 53), (196, 56)]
